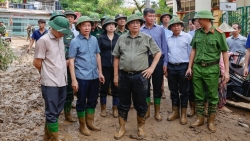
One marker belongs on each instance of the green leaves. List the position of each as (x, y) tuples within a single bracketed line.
[(7, 55)]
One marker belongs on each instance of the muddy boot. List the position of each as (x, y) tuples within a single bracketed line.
[(46, 133), (90, 119), (148, 111), (115, 111), (175, 114), (103, 110), (163, 94), (122, 130), (83, 126), (191, 113), (199, 121), (183, 120), (210, 123), (141, 123), (67, 110), (53, 131), (157, 112), (206, 109), (68, 117)]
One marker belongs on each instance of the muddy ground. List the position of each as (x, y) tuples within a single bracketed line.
[(22, 113)]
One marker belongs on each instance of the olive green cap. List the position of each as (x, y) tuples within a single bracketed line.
[(118, 16), (55, 14), (164, 14), (104, 17), (108, 21), (133, 17), (70, 12), (139, 14), (60, 24), (173, 21), (204, 14), (95, 17), (83, 19)]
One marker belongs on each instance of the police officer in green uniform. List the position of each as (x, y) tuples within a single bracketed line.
[(121, 21), (2, 29), (95, 30), (207, 45)]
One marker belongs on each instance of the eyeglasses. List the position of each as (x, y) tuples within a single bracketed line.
[(135, 23)]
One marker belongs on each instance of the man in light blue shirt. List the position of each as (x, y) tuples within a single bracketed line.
[(165, 18), (191, 28), (236, 42), (178, 58)]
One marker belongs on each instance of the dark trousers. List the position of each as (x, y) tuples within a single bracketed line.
[(178, 84), (70, 94), (54, 98), (138, 86), (157, 78), (87, 94), (191, 91), (108, 73)]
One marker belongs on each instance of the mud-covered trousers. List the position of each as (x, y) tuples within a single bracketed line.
[(134, 85), (54, 98)]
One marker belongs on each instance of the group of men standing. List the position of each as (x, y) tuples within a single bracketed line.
[(70, 59)]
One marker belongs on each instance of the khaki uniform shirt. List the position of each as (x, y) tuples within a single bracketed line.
[(51, 51), (133, 52), (209, 45), (118, 31)]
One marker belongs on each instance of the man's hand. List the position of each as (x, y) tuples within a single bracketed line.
[(246, 71), (101, 78), (75, 85), (189, 71), (225, 77), (148, 72), (165, 71), (116, 77)]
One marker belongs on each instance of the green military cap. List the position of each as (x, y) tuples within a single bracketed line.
[(70, 12), (173, 21), (83, 19), (138, 13), (133, 17), (204, 14), (108, 21), (118, 16), (55, 14), (164, 14), (95, 17), (104, 17), (60, 24)]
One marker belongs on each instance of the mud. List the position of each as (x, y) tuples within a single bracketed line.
[(22, 113)]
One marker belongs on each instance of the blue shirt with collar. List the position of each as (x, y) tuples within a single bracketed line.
[(37, 34), (158, 34), (179, 48), (167, 32), (237, 44), (84, 51), (191, 32)]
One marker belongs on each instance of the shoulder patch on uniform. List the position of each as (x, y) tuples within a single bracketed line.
[(219, 30)]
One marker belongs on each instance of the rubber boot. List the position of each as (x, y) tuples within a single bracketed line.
[(83, 127), (122, 130), (46, 133), (103, 110), (206, 109), (67, 112), (141, 126), (183, 120), (175, 114), (157, 112), (90, 120), (115, 111), (199, 121), (191, 113), (53, 131), (210, 123)]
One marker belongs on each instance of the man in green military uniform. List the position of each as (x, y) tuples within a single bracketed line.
[(95, 29), (121, 21), (207, 45), (2, 29)]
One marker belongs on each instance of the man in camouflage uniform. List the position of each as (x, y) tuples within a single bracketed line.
[(121, 21), (95, 30), (2, 29)]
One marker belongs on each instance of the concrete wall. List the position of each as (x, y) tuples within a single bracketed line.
[(202, 5)]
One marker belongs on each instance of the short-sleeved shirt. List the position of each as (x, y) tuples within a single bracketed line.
[(248, 47), (119, 32), (133, 52), (51, 51), (237, 44), (37, 34), (208, 45), (84, 51)]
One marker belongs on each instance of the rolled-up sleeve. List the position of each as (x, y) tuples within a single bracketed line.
[(40, 49), (116, 51), (153, 47), (73, 48)]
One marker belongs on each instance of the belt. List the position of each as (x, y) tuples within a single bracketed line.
[(151, 56), (208, 64), (130, 72), (177, 64)]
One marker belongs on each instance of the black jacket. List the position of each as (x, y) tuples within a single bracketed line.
[(107, 46)]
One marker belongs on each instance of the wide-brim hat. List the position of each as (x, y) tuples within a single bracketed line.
[(204, 14), (55, 14), (70, 12), (83, 19), (119, 16), (173, 21), (95, 17), (133, 17), (164, 14), (108, 21), (60, 24)]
